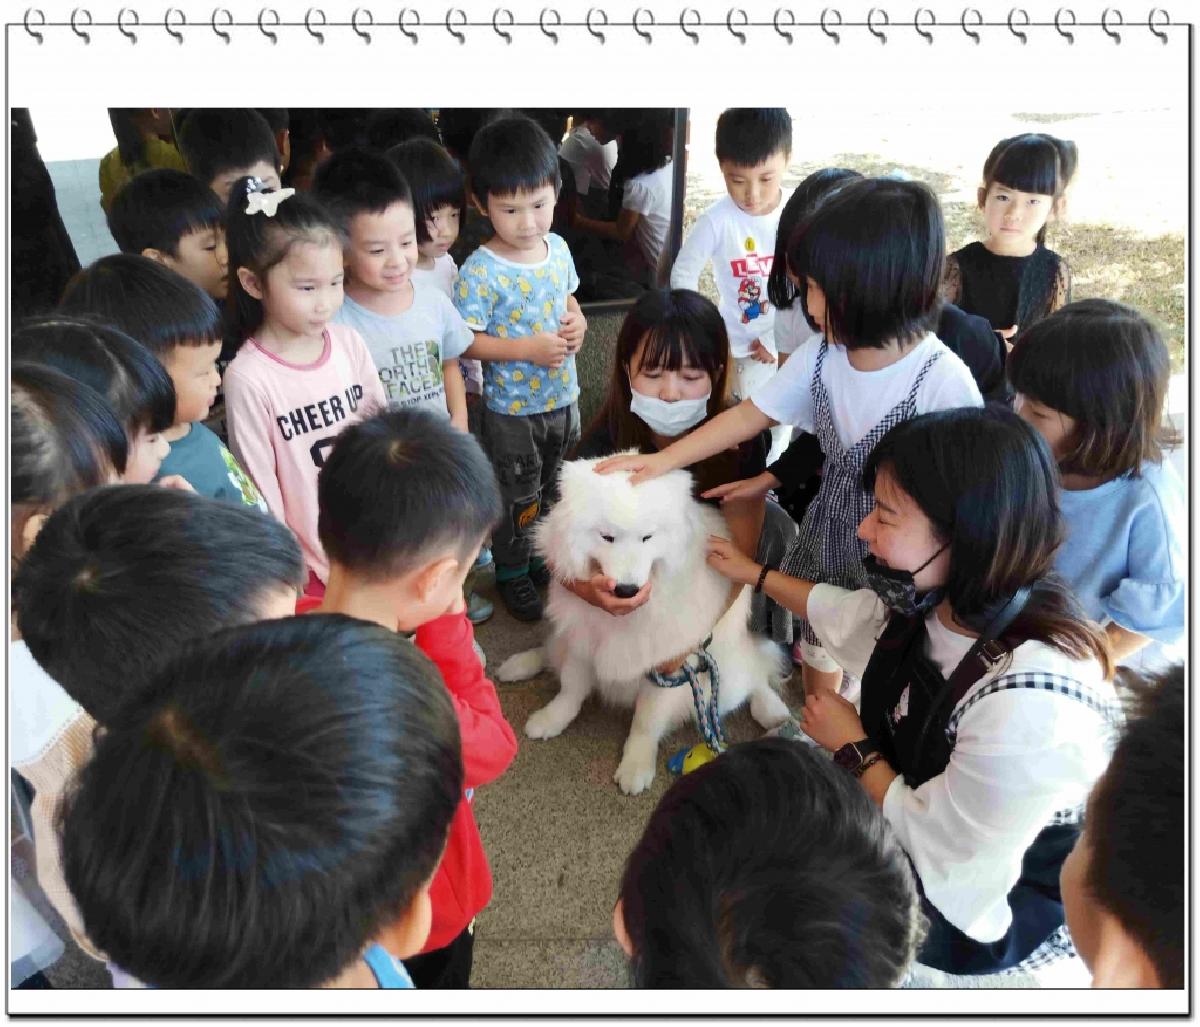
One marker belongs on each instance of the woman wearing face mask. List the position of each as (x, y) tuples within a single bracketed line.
[(670, 375), (986, 693)]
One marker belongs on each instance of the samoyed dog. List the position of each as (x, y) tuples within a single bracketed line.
[(656, 532)]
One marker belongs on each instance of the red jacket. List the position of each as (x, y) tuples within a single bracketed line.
[(462, 885)]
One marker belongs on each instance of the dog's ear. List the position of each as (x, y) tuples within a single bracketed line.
[(571, 472)]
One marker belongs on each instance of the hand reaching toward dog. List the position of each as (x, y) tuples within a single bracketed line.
[(730, 562), (643, 465), (830, 720), (747, 488), (599, 591), (760, 353)]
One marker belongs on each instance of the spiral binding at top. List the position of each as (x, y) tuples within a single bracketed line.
[(596, 26)]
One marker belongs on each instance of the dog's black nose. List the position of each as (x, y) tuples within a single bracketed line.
[(626, 591)]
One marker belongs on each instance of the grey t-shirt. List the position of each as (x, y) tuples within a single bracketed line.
[(213, 471)]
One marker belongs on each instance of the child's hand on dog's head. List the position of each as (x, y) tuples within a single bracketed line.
[(600, 591), (546, 349), (730, 562), (643, 465)]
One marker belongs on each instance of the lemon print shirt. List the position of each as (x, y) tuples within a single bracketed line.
[(511, 301)]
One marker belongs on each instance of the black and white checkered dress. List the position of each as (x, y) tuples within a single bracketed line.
[(828, 548)]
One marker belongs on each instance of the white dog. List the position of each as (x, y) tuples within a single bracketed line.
[(655, 532)]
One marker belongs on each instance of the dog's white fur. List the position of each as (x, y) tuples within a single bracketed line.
[(657, 532)]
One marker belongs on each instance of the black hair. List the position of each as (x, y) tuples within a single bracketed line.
[(512, 154), (1033, 162), (277, 799), (1104, 365), (400, 485), (131, 143), (152, 303), (345, 126), (1136, 824), (122, 370), (988, 484), (306, 135), (458, 126), (769, 867), (750, 135), (259, 243), (646, 142), (214, 140), (435, 178), (63, 437), (357, 180), (275, 117), (876, 249), (122, 576), (391, 126), (803, 201), (157, 208)]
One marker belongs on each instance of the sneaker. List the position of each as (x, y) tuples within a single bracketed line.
[(484, 559), (521, 599), (539, 574), (479, 609), (479, 651)]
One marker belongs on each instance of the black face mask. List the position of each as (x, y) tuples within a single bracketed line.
[(898, 590)]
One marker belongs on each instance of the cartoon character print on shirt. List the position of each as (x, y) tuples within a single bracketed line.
[(242, 482), (751, 272)]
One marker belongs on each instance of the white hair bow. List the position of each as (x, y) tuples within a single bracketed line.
[(267, 203)]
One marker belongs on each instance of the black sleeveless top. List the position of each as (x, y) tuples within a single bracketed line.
[(1007, 290)]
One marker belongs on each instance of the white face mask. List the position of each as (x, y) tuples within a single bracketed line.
[(669, 419)]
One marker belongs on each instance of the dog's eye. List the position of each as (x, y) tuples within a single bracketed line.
[(647, 538), (607, 538)]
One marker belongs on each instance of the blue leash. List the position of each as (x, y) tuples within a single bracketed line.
[(707, 715)]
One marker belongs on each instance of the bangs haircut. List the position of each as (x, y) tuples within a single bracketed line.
[(399, 486), (747, 136), (259, 243), (157, 306), (356, 180), (803, 201), (392, 126), (512, 154), (214, 140), (123, 576), (295, 781), (724, 891), (1033, 162), (876, 249), (122, 370), (63, 437), (435, 178), (157, 208), (1104, 365)]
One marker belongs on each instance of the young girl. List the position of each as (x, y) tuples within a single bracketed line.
[(1092, 379), (1011, 278), (871, 260), (126, 374), (297, 380), (646, 177)]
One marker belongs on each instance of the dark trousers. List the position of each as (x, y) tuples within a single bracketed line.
[(448, 967), (526, 453)]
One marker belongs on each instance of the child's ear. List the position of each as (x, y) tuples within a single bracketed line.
[(31, 529), (283, 143), (431, 578), (155, 255), (619, 931), (981, 196), (249, 281), (406, 935)]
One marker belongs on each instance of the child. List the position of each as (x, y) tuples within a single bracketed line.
[(738, 232), (170, 217), (871, 258), (406, 502), (647, 180), (143, 142), (1124, 883), (392, 126), (1011, 278), (515, 293), (118, 579), (591, 150), (414, 333), (298, 379), (181, 326), (1092, 379), (293, 782), (724, 891), (223, 144), (122, 370)]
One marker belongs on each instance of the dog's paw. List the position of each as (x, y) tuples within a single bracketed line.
[(545, 723), (635, 773), (768, 709)]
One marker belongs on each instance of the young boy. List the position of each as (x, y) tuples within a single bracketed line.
[(406, 501), (171, 217), (1124, 885), (223, 144), (737, 233), (118, 579), (270, 815), (412, 330), (515, 293), (179, 324)]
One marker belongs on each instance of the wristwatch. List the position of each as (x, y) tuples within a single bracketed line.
[(853, 755)]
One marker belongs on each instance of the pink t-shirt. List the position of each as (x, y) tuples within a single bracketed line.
[(284, 417)]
